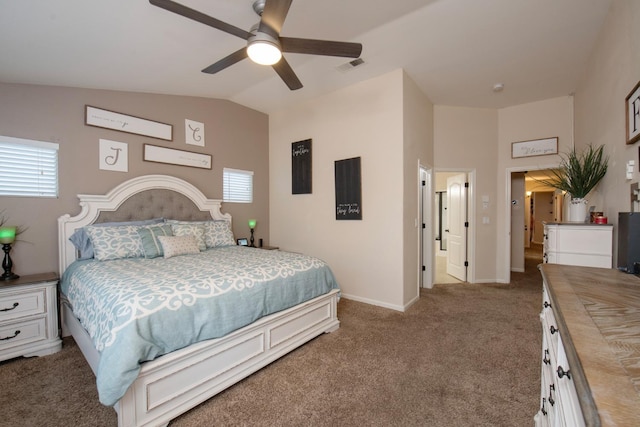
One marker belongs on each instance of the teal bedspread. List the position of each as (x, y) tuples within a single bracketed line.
[(137, 309)]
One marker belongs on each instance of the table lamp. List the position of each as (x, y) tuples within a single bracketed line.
[(252, 225), (7, 237)]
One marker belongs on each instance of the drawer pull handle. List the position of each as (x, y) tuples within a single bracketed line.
[(551, 389), (553, 329), (544, 411), (563, 373), (547, 304), (546, 359), (15, 304), (15, 334)]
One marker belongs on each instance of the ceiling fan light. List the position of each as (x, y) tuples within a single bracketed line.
[(264, 52), (263, 48)]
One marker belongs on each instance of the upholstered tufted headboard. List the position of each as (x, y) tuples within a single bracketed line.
[(144, 197)]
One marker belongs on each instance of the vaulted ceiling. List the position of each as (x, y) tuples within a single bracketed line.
[(455, 50)]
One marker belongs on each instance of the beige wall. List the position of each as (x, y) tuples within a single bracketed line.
[(611, 72), (536, 120), (418, 147), (465, 140), (364, 120), (236, 137)]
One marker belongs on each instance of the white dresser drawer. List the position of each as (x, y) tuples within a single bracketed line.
[(21, 304), (20, 333)]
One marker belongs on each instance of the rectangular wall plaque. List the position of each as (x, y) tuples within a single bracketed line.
[(301, 167), (536, 147), (348, 189), (125, 123), (153, 153)]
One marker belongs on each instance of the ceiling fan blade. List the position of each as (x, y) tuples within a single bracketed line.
[(274, 14), (187, 12), (287, 75), (236, 56), (320, 47)]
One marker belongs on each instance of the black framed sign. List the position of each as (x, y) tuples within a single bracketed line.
[(348, 189), (632, 107), (301, 167)]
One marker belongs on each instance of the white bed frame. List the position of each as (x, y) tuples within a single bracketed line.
[(176, 382)]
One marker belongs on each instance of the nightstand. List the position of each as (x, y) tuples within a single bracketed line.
[(29, 316), (269, 248)]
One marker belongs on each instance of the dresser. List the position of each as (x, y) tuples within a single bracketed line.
[(590, 358), (29, 316), (575, 243)]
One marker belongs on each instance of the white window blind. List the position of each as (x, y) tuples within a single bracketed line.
[(28, 168), (237, 186)]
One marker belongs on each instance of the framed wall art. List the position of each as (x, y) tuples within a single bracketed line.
[(114, 156), (301, 167), (194, 132), (632, 107), (154, 153), (535, 147), (348, 189), (106, 119)]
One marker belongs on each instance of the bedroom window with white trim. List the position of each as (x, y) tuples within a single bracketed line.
[(237, 186), (28, 167)]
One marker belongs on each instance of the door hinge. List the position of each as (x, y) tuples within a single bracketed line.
[(466, 224), (424, 225), (424, 182), (424, 268), (466, 263), (466, 185)]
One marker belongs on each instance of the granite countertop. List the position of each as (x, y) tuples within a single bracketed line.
[(590, 224), (600, 309)]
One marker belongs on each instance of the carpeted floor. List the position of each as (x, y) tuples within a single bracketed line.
[(463, 355)]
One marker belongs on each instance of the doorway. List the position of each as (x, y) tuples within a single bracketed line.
[(532, 204)]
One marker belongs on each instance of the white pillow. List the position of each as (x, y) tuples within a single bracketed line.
[(178, 245)]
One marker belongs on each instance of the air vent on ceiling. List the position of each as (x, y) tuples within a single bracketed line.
[(350, 65)]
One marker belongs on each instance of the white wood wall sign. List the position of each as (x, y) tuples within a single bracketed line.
[(106, 119), (194, 132), (114, 156), (536, 147), (154, 153)]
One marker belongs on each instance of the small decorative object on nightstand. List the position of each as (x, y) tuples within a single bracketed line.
[(252, 225), (7, 237), (29, 316)]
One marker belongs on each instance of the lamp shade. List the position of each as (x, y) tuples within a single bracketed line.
[(252, 223), (7, 235)]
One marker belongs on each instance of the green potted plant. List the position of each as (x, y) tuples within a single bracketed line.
[(578, 174)]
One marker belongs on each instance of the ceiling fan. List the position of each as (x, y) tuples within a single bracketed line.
[(264, 43)]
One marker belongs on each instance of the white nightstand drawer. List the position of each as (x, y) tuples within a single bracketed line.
[(21, 333), (18, 304)]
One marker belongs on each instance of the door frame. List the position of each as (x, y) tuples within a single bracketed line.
[(507, 209), (471, 217)]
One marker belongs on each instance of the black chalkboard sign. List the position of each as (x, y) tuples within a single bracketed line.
[(301, 167), (348, 189)]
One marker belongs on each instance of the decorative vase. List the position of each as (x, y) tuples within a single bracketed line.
[(578, 210)]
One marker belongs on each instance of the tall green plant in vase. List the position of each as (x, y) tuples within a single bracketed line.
[(578, 174)]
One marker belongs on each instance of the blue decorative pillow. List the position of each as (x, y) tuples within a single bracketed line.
[(149, 237), (115, 242), (195, 229), (216, 233), (82, 242)]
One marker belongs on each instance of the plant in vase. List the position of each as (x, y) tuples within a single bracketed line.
[(577, 175)]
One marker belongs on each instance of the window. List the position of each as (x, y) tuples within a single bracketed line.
[(28, 168), (237, 186)]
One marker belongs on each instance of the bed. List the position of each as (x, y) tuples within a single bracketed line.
[(165, 354)]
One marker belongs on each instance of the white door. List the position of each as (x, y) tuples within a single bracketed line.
[(456, 230)]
